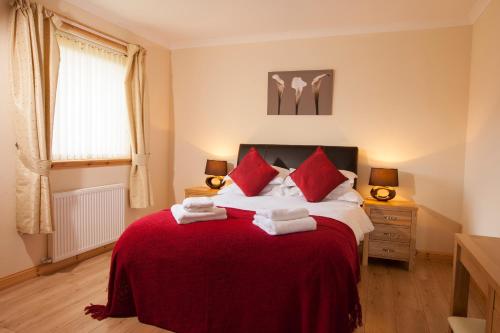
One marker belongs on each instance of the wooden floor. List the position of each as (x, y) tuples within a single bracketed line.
[(393, 300)]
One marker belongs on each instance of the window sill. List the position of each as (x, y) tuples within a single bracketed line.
[(89, 163)]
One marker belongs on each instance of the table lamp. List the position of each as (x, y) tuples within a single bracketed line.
[(217, 170), (383, 180)]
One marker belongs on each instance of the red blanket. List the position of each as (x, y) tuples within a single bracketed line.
[(230, 276)]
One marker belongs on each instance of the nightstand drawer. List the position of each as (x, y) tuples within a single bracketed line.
[(393, 233), (398, 217), (390, 250)]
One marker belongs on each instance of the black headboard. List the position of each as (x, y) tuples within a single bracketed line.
[(291, 156)]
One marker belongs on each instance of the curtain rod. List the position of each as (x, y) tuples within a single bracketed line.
[(79, 28)]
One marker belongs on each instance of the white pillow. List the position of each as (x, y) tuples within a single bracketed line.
[(278, 180), (351, 176), (351, 196), (280, 177), (290, 189), (343, 188), (235, 189), (340, 190), (343, 192), (288, 180)]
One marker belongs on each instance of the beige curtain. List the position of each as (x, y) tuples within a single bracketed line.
[(34, 67), (141, 195)]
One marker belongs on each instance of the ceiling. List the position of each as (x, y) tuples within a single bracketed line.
[(192, 23)]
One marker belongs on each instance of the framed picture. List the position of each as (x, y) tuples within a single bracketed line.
[(300, 92)]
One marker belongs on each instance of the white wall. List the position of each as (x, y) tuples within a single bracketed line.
[(400, 97), (482, 163), (21, 252)]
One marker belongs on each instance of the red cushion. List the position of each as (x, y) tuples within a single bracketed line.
[(253, 173), (317, 176)]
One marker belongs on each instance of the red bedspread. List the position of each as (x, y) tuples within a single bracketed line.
[(230, 276)]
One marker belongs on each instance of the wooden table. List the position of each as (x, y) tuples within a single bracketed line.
[(477, 257)]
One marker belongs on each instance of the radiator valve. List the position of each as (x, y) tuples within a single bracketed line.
[(47, 260)]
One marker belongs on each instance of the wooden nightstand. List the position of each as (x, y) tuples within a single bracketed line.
[(199, 191), (395, 229)]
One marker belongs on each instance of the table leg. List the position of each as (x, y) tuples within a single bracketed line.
[(460, 285), (490, 309)]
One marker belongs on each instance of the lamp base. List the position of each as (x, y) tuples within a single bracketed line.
[(215, 182), (383, 193)]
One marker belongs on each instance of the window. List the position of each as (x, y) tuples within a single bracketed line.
[(90, 117)]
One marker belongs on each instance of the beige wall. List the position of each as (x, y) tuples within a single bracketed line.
[(400, 97), (482, 164), (21, 252)]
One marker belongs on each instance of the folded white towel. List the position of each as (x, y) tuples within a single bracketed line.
[(198, 204), (182, 216), (200, 210), (284, 227), (283, 214)]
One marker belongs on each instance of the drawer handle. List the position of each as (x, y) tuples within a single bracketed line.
[(391, 235), (391, 218), (387, 250)]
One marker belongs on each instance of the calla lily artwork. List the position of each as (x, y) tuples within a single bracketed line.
[(300, 92), (280, 86), (298, 85), (316, 85)]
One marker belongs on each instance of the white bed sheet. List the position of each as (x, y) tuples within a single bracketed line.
[(346, 212)]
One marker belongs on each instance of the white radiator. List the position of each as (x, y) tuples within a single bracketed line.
[(86, 219)]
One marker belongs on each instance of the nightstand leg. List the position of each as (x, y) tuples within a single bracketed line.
[(365, 249), (411, 262)]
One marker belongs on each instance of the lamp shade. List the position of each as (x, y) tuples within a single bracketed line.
[(216, 168), (384, 177)]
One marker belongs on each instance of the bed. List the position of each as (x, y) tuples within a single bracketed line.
[(229, 276)]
